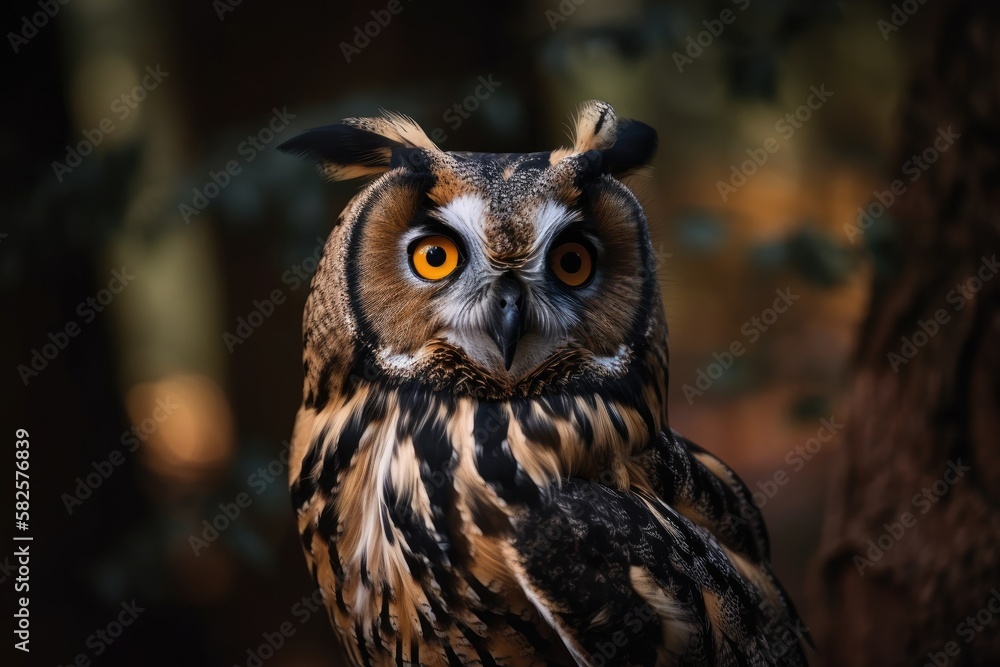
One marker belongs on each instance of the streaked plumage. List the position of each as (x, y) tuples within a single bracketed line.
[(482, 466)]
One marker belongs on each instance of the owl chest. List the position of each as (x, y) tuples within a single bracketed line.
[(420, 481), (409, 491), (396, 513), (414, 499)]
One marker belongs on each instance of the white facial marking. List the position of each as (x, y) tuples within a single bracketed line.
[(465, 306), (550, 219), (465, 214)]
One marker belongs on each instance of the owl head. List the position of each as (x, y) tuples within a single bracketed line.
[(485, 274)]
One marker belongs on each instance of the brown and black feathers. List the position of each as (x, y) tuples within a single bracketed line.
[(482, 467)]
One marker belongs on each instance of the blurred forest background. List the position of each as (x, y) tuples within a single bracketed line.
[(140, 139)]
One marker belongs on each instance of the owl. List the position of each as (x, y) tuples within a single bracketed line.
[(482, 466)]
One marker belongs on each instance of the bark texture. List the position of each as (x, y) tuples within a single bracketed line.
[(911, 550)]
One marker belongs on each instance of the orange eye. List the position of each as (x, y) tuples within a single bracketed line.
[(572, 262), (434, 257)]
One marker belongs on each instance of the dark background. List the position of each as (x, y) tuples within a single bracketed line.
[(162, 338)]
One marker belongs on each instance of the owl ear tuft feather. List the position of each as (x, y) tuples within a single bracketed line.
[(624, 145), (359, 147), (633, 149)]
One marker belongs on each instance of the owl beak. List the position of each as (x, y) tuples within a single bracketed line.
[(507, 327)]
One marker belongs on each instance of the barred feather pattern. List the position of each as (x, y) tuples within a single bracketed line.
[(455, 510), (553, 529)]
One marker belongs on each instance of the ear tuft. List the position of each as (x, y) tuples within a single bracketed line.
[(401, 129), (343, 151), (633, 149), (359, 147), (595, 127), (624, 145)]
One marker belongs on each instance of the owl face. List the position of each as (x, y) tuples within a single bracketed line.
[(489, 272)]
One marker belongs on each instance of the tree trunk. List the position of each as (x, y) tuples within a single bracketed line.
[(910, 561)]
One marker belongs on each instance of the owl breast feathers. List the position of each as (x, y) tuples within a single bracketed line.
[(482, 466)]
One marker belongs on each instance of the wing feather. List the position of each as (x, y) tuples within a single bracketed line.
[(625, 579)]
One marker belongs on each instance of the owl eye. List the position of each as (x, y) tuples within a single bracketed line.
[(434, 257), (572, 262)]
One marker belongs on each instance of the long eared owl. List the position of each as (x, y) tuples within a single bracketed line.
[(482, 466)]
